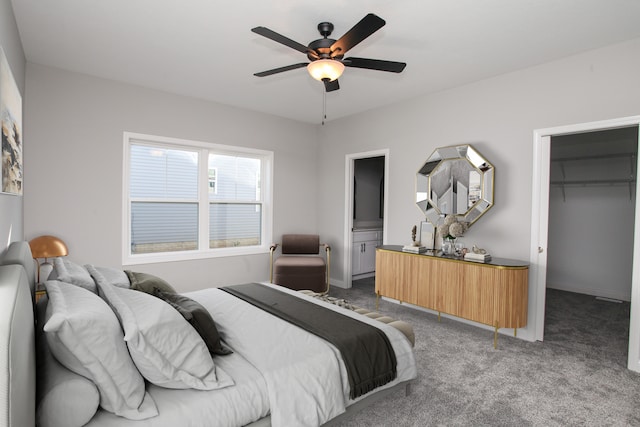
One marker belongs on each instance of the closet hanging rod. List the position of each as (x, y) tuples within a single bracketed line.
[(586, 182), (594, 157)]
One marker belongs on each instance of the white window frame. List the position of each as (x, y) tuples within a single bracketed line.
[(204, 148)]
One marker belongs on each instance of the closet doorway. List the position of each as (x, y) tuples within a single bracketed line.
[(366, 187), (592, 199), (542, 244)]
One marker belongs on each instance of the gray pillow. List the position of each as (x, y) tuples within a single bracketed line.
[(114, 276), (85, 336), (167, 351), (148, 283), (70, 272), (64, 398), (199, 318)]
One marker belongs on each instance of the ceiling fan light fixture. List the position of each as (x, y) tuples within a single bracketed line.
[(322, 69)]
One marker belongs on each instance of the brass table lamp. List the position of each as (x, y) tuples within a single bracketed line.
[(44, 247)]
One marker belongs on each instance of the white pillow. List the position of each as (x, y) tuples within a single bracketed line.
[(84, 335), (70, 272), (64, 398), (112, 275), (166, 349)]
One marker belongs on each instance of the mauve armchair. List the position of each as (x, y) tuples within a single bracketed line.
[(300, 265)]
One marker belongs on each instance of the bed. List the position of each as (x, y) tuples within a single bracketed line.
[(275, 373)]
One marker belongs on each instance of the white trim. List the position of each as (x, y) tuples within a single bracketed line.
[(539, 230), (539, 227), (203, 149), (348, 203)]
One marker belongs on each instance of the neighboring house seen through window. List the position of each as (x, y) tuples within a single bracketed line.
[(187, 199)]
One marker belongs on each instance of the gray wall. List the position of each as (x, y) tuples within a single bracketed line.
[(11, 219), (75, 150), (498, 117)]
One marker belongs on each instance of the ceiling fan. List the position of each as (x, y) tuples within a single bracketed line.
[(327, 55)]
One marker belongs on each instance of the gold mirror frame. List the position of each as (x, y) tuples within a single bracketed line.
[(452, 177)]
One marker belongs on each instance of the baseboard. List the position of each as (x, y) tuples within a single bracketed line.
[(363, 276), (338, 284), (607, 293)]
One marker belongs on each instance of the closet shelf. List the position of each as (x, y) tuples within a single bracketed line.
[(563, 183)]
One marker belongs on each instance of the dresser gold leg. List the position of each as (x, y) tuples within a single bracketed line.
[(438, 316), (377, 299), (495, 336)]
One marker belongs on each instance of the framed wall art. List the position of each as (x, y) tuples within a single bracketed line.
[(11, 124)]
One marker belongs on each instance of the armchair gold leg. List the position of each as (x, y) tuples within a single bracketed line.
[(328, 252), (271, 266)]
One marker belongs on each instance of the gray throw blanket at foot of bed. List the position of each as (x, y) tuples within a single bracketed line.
[(367, 353)]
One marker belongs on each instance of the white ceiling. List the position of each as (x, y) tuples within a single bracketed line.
[(205, 49)]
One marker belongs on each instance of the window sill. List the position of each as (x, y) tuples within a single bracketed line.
[(154, 258)]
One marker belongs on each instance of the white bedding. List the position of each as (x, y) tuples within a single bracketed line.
[(237, 405), (277, 367)]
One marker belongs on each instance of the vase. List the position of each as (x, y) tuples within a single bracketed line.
[(448, 246)]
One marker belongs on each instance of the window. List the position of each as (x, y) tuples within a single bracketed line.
[(187, 200)]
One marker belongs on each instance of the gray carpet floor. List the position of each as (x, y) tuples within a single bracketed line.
[(576, 377)]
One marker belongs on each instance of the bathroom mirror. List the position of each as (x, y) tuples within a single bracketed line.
[(455, 180)]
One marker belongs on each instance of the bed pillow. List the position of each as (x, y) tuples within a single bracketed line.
[(167, 351), (114, 276), (70, 272), (198, 316), (84, 336), (64, 398), (148, 283)]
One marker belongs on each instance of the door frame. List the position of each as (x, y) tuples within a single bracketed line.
[(540, 228), (348, 204)]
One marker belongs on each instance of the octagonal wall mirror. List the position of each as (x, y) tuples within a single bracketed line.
[(455, 180)]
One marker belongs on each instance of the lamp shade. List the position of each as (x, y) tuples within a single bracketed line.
[(48, 247), (322, 69)]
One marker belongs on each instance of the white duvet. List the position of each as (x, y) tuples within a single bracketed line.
[(277, 368)]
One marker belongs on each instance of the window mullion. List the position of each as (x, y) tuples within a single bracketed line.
[(203, 203)]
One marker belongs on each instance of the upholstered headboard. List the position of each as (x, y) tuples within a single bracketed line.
[(19, 253), (17, 338)]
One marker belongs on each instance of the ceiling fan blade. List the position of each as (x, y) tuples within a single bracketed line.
[(330, 86), (375, 64), (270, 34), (363, 29), (281, 69)]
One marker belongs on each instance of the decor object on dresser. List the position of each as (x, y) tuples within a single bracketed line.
[(427, 235), (493, 293), (449, 231), (455, 180), (300, 265), (415, 246)]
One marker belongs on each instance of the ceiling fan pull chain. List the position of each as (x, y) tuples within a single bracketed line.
[(324, 106)]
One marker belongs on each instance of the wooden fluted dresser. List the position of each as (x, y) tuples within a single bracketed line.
[(494, 293)]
